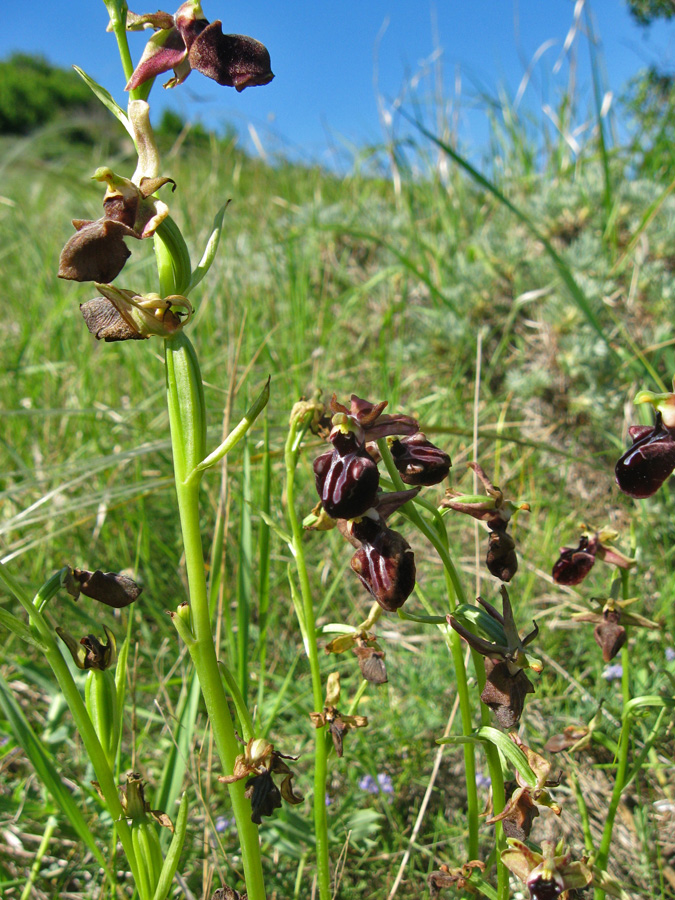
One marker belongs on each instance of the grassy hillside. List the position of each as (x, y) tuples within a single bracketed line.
[(521, 353)]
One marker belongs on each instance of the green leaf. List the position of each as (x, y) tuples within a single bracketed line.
[(423, 620), (653, 701), (107, 100), (276, 528), (46, 771), (20, 629), (503, 743), (211, 248)]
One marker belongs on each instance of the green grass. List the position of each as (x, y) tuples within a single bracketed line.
[(336, 285)]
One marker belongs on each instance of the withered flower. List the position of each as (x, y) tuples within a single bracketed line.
[(496, 512), (371, 661), (419, 461), (134, 804), (189, 41), (646, 465), (89, 652), (228, 893), (366, 649), (610, 633), (459, 878), (574, 563), (120, 315), (97, 252), (546, 874), (258, 763), (521, 809), (338, 725), (110, 588), (506, 684)]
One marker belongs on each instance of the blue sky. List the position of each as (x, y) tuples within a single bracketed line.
[(324, 57)]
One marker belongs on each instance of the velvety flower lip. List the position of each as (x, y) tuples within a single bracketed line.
[(647, 464), (419, 461), (111, 588), (189, 41), (97, 252), (574, 563), (384, 562), (346, 478)]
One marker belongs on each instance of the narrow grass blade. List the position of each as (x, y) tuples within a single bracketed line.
[(46, 771)]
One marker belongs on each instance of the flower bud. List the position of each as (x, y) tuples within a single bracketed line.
[(419, 461)]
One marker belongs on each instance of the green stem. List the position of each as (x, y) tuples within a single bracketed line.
[(118, 20), (295, 433), (437, 536), (187, 421), (622, 754)]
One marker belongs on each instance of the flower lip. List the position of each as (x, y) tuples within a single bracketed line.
[(646, 465)]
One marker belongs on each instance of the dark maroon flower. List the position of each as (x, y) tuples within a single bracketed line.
[(646, 465), (609, 634), (189, 41), (574, 564), (384, 562), (346, 478), (362, 414), (419, 461), (110, 588), (501, 559)]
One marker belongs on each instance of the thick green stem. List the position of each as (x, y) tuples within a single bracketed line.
[(187, 420), (296, 430)]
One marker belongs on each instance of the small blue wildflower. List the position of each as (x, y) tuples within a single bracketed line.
[(614, 672), (223, 823), (385, 783), (329, 800), (670, 654), (482, 780), (368, 783)]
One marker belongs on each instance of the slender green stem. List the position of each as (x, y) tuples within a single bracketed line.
[(117, 10), (295, 433), (622, 754), (187, 421), (42, 849), (437, 536)]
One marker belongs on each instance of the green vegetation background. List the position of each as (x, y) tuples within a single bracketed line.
[(424, 290)]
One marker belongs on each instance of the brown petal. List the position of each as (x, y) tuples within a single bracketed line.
[(505, 693), (110, 588), (106, 322), (97, 252), (234, 60)]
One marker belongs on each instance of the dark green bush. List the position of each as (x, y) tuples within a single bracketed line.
[(34, 92)]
